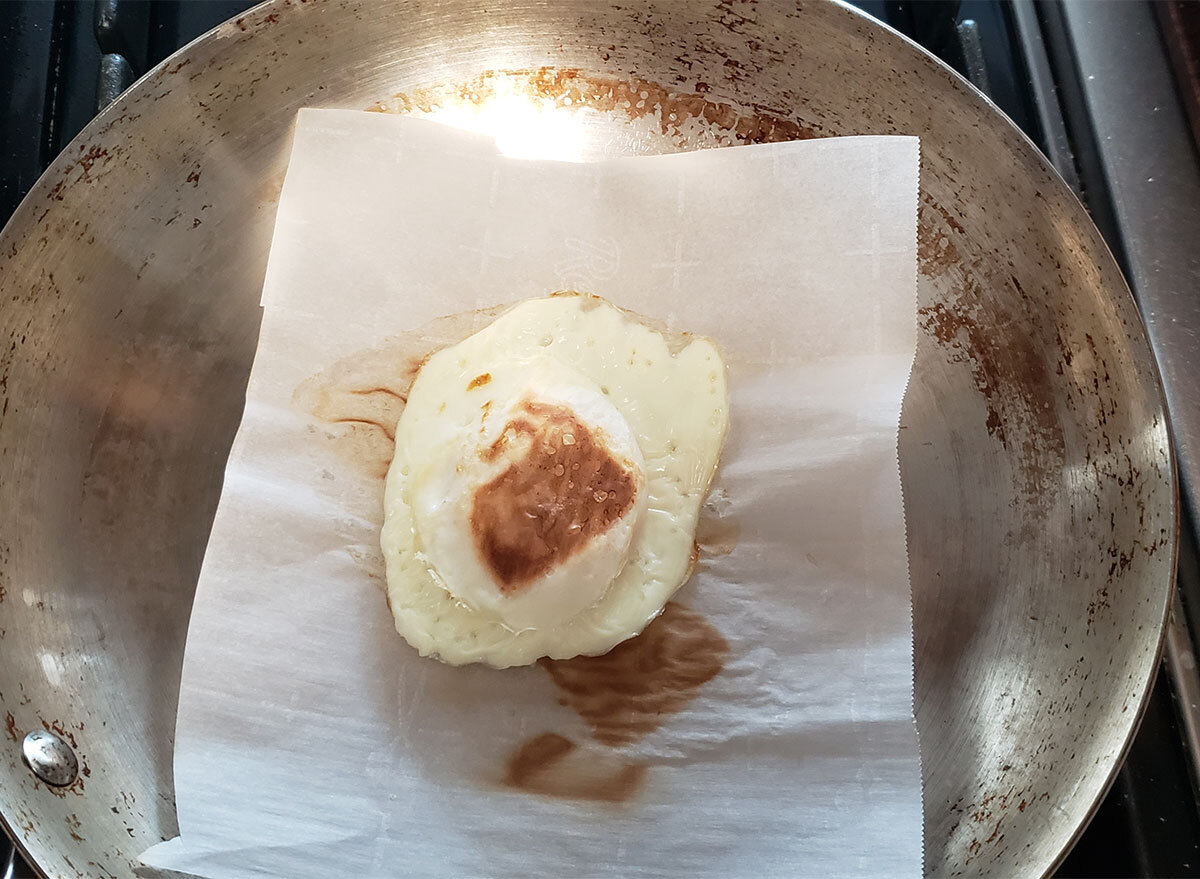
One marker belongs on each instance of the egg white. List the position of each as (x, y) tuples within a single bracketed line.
[(663, 413)]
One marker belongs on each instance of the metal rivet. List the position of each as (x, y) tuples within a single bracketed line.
[(50, 758)]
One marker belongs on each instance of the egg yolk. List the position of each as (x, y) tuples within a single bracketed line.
[(566, 489)]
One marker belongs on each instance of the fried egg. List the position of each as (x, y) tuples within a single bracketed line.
[(547, 479)]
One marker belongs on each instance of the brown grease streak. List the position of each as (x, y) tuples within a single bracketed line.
[(564, 491), (632, 689), (365, 393), (389, 432), (552, 765)]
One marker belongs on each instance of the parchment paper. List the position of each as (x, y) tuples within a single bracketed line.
[(312, 741)]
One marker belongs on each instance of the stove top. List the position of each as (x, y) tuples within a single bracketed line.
[(1109, 92)]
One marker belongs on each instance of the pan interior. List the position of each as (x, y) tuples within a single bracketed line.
[(1037, 473)]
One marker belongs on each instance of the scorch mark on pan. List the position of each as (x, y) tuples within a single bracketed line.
[(680, 115)]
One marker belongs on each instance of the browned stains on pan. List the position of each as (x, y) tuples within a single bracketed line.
[(986, 817), (10, 726), (553, 765), (362, 395), (76, 787), (675, 112), (1010, 372), (91, 164), (631, 690), (61, 731), (936, 250), (73, 827)]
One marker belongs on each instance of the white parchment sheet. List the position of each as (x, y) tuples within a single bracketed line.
[(313, 742)]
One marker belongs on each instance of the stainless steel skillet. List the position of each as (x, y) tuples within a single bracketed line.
[(1038, 475)]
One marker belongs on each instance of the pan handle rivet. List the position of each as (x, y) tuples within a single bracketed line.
[(50, 758)]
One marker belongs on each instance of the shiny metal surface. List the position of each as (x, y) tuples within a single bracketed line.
[(1037, 471), (49, 758), (1145, 146)]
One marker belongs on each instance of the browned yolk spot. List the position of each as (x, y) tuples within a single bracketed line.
[(479, 381), (565, 490)]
